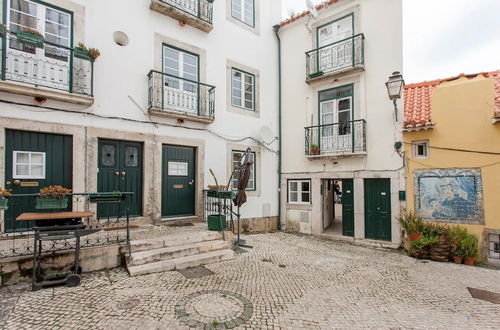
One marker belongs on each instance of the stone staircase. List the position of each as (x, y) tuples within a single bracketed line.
[(177, 251)]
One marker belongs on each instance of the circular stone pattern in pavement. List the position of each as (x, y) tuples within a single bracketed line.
[(214, 309)]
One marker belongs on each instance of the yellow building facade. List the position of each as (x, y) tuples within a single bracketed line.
[(452, 153)]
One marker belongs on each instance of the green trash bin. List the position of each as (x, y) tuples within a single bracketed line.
[(216, 222)]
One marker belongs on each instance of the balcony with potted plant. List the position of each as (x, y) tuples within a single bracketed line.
[(197, 13)]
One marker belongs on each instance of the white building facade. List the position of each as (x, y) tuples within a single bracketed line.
[(342, 172), (180, 87)]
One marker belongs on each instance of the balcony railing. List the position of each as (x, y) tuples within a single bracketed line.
[(201, 9), (339, 56), (45, 65), (336, 139), (174, 94)]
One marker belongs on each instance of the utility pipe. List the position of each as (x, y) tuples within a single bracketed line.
[(276, 29)]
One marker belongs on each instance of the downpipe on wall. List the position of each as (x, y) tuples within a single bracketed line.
[(276, 29)]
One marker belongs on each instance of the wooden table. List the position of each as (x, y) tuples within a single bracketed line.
[(54, 216)]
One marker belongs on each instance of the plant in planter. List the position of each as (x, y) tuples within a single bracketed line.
[(315, 149), (4, 193), (421, 248), (30, 37), (94, 53), (456, 235), (412, 224), (52, 197), (469, 249)]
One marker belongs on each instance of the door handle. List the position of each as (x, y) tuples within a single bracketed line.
[(191, 182), (117, 173), (123, 173), (17, 182), (8, 183)]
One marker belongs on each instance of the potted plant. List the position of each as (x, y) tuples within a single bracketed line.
[(412, 224), (52, 197), (30, 37), (94, 53), (315, 149), (4, 193), (469, 249), (421, 248), (456, 235)]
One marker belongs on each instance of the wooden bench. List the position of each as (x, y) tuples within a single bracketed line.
[(54, 216)]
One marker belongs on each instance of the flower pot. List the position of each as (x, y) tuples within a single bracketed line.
[(440, 251), (4, 204), (315, 152), (457, 259), (414, 236), (82, 54), (31, 39), (469, 261), (51, 203), (216, 222)]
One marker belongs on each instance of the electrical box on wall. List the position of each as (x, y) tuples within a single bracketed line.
[(402, 195)]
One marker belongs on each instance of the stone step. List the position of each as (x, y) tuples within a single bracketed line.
[(182, 238), (178, 251), (182, 263)]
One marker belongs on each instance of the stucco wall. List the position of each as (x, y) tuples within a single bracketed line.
[(463, 110), (121, 90), (383, 55)]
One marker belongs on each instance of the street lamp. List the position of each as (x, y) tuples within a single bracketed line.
[(394, 88)]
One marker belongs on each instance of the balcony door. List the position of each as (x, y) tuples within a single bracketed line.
[(181, 90), (48, 65), (335, 121), (336, 47)]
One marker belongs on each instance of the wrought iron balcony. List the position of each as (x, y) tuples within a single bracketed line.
[(180, 98), (339, 139), (44, 64), (341, 56), (198, 13)]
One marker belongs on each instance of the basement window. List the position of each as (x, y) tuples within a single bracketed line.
[(421, 149), (299, 191)]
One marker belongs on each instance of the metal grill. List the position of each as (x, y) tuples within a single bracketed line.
[(336, 139)]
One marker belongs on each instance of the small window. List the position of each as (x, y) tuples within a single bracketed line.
[(421, 149), (243, 89), (494, 246), (236, 156), (244, 11), (178, 168), (29, 165), (299, 191)]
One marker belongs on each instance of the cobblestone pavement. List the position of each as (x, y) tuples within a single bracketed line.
[(285, 281)]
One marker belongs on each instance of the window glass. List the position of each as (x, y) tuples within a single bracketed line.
[(420, 149), (236, 159), (177, 168), (243, 10), (299, 191), (108, 155), (336, 93), (29, 165), (242, 90), (131, 156)]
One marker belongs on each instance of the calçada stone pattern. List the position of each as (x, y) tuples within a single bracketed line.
[(291, 282)]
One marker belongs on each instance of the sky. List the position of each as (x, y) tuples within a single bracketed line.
[(443, 38)]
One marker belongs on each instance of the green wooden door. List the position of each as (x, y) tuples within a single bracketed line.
[(120, 169), (378, 209), (178, 181), (32, 161), (347, 207)]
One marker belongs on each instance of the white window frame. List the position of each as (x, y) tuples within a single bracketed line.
[(15, 175), (242, 15), (244, 75), (416, 144), (234, 180), (178, 168), (299, 192)]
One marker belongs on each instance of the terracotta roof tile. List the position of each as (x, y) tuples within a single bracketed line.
[(418, 99), (320, 6)]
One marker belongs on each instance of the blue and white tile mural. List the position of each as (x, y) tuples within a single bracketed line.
[(449, 195)]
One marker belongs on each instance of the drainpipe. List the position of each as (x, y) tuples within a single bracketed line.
[(276, 29)]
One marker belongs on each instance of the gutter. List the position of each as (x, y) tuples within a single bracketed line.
[(276, 29)]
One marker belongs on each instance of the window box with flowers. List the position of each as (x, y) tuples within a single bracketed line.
[(52, 197), (4, 193)]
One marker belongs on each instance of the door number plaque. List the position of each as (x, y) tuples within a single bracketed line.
[(178, 186)]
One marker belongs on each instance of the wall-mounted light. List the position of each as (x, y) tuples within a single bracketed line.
[(395, 86)]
